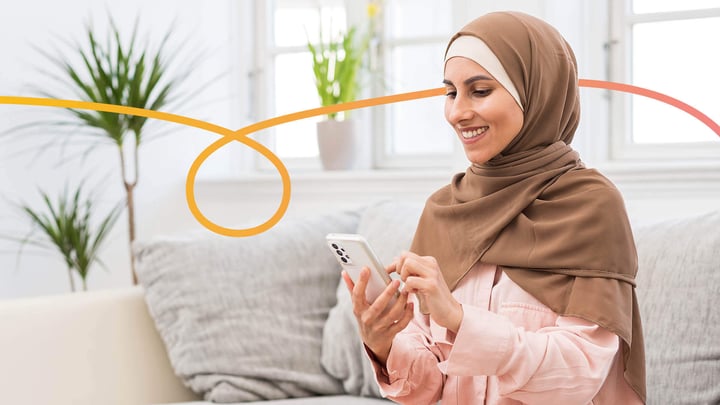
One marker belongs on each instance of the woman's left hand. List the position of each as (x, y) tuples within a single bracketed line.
[(422, 276)]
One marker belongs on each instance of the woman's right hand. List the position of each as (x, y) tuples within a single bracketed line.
[(380, 321)]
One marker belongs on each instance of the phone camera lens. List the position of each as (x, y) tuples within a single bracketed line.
[(335, 246), (339, 252), (343, 259)]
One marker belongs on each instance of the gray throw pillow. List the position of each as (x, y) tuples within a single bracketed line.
[(242, 318), (389, 228), (679, 296)]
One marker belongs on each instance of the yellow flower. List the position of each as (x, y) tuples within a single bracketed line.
[(372, 9)]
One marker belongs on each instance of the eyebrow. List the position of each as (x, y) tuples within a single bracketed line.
[(469, 80)]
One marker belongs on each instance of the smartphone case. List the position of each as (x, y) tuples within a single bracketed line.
[(353, 253)]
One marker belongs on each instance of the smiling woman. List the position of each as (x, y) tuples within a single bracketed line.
[(484, 114), (411, 136), (519, 284)]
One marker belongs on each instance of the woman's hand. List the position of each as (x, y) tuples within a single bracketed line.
[(422, 276), (380, 321)]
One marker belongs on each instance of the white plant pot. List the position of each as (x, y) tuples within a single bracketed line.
[(337, 144)]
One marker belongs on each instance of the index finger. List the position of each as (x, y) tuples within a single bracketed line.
[(348, 281), (383, 300), (358, 291), (391, 268)]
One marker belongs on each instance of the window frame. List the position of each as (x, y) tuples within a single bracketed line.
[(262, 84), (608, 113), (382, 127), (621, 146)]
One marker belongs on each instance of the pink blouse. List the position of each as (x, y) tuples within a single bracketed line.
[(510, 349)]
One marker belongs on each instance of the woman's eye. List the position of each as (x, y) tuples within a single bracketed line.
[(451, 94), (482, 92)]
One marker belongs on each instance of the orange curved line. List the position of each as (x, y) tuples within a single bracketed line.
[(243, 133), (227, 136), (352, 105)]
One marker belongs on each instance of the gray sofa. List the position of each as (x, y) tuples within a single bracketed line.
[(266, 320)]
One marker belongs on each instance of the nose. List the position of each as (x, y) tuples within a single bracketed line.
[(460, 109)]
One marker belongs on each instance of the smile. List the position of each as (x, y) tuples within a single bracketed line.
[(474, 133)]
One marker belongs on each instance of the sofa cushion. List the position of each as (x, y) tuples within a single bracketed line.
[(242, 318), (389, 228), (679, 296)]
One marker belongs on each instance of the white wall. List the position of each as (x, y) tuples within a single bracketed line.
[(218, 26)]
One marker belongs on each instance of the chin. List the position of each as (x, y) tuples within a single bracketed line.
[(477, 160)]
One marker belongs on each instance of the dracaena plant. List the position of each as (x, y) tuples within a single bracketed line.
[(129, 73), (69, 228), (336, 64)]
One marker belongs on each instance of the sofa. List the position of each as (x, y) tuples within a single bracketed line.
[(267, 320)]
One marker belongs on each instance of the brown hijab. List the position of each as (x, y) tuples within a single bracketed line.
[(556, 228)]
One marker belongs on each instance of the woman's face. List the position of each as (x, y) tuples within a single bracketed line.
[(484, 115)]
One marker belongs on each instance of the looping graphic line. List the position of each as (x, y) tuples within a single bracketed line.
[(241, 135)]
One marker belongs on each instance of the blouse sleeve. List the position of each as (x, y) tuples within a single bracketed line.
[(411, 375), (564, 363)]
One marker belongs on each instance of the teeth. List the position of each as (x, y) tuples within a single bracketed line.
[(473, 133)]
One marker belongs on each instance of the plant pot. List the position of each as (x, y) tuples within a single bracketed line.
[(336, 143)]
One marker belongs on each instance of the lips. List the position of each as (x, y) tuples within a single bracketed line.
[(473, 133)]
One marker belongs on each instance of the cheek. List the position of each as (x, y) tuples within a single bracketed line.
[(512, 117), (517, 118), (448, 109)]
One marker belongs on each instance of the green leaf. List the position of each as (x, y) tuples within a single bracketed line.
[(335, 66), (130, 73), (67, 227)]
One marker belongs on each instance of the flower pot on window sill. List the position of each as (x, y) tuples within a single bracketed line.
[(337, 144)]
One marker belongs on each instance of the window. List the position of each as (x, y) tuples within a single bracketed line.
[(415, 35), (286, 63), (670, 47), (407, 55), (663, 45)]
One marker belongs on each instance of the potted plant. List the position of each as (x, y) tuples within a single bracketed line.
[(132, 74), (67, 227), (336, 65)]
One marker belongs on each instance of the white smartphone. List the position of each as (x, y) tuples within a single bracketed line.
[(353, 253)]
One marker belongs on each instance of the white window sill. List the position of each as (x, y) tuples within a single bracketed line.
[(702, 178), (652, 192)]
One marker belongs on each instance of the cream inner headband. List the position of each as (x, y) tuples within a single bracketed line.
[(475, 49)]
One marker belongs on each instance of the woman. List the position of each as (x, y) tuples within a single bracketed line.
[(524, 265)]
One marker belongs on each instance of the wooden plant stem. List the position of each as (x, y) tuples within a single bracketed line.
[(72, 281), (129, 189)]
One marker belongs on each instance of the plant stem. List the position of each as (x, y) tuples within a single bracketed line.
[(129, 188), (84, 284), (72, 281)]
